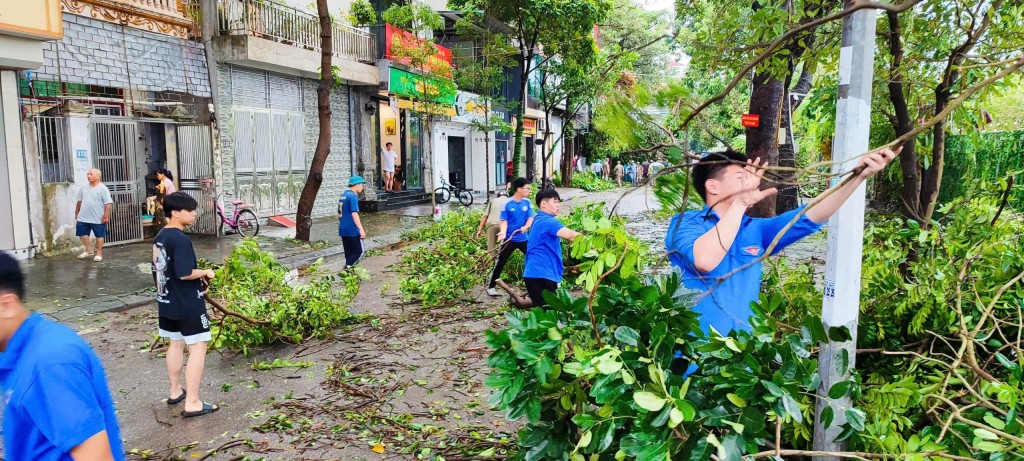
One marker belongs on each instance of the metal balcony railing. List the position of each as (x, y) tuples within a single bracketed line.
[(168, 7), (291, 26)]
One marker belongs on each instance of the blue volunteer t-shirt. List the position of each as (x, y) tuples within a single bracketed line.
[(544, 250), (54, 392), (348, 203), (516, 213), (726, 305)]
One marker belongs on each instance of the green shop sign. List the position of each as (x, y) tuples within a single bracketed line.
[(410, 85)]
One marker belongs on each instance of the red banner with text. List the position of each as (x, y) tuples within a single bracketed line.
[(401, 46)]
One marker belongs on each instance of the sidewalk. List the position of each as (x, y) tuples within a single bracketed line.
[(67, 288)]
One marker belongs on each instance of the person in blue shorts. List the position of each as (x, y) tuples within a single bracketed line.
[(544, 267), (706, 245), (53, 389), (513, 228)]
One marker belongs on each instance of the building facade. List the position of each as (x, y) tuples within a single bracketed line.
[(125, 90), (24, 31)]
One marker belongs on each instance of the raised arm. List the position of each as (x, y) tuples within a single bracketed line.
[(869, 166)]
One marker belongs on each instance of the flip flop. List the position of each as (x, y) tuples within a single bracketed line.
[(207, 409), (178, 400)]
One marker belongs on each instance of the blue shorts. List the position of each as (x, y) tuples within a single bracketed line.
[(82, 229)]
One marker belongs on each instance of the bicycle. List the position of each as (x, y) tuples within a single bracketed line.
[(244, 221), (445, 192)]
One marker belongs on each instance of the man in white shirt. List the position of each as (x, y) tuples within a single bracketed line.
[(388, 156), (92, 214)]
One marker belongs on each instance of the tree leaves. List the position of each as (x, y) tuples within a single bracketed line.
[(648, 401)]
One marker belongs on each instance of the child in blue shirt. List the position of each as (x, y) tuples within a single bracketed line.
[(53, 390), (350, 228), (516, 219), (544, 267)]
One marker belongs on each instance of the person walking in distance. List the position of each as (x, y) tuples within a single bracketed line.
[(492, 220), (350, 228), (387, 164), (180, 305), (544, 267), (619, 172), (57, 405), (516, 219), (92, 214)]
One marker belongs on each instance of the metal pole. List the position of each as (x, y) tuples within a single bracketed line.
[(841, 306)]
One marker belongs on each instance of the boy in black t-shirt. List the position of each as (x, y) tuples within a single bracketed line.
[(182, 310)]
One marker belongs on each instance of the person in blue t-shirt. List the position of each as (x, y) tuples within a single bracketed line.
[(350, 228), (544, 267), (53, 390), (721, 239), (516, 219)]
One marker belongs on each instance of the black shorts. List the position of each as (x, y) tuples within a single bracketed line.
[(191, 329), (536, 287)]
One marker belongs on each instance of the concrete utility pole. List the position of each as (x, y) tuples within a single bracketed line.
[(841, 305)]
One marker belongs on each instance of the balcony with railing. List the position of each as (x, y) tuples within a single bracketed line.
[(169, 17), (291, 26)]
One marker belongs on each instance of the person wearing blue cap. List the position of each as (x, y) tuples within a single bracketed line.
[(350, 228), (56, 403)]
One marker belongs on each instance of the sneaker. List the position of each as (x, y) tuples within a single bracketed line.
[(84, 254), (493, 292), (97, 258)]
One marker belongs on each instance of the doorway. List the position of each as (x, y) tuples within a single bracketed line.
[(116, 155), (411, 174), (531, 160), (457, 161), (500, 154)]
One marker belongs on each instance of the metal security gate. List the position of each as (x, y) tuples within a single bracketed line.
[(270, 161), (195, 175), (116, 156)]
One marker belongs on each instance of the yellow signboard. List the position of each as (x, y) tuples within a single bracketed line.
[(433, 108), (39, 19), (529, 126)]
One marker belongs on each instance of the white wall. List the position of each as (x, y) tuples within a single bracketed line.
[(476, 151)]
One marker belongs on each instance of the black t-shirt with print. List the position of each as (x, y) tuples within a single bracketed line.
[(174, 258)]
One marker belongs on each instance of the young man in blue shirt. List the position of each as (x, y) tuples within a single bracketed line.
[(53, 390), (516, 219), (350, 228), (721, 239), (544, 267)]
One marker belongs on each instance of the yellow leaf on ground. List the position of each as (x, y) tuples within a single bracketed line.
[(378, 448)]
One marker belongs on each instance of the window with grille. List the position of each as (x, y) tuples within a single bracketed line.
[(55, 162)]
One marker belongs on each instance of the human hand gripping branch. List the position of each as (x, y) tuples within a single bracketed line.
[(710, 249)]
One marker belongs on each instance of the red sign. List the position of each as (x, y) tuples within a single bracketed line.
[(751, 120), (396, 40)]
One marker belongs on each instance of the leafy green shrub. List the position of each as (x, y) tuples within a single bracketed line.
[(623, 396), (361, 13), (454, 261), (253, 284), (941, 313), (590, 182)]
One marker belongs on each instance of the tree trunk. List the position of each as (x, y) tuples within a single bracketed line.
[(517, 147), (762, 142), (789, 195), (304, 215), (903, 124)]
